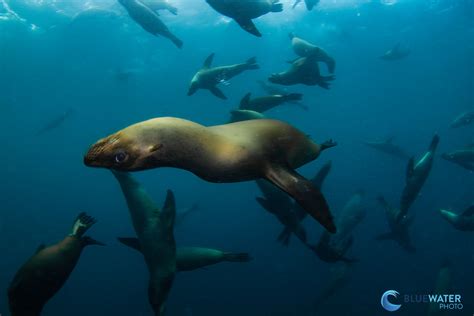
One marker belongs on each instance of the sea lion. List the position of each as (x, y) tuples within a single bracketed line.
[(149, 20), (396, 53), (181, 215), (154, 229), (265, 103), (193, 258), (388, 147), (158, 5), (399, 230), (245, 115), (334, 248), (443, 286), (279, 204), (462, 157), (244, 11), (310, 4), (304, 48), (464, 119), (56, 122), (272, 89), (339, 277), (463, 222), (304, 70), (242, 151), (44, 274), (208, 78), (416, 177)]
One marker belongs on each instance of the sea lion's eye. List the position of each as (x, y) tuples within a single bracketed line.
[(120, 157)]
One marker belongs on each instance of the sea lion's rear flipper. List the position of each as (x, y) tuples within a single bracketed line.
[(469, 211), (237, 257), (131, 242), (284, 237), (248, 26), (89, 241), (244, 103), (410, 168), (218, 93), (303, 191), (208, 62), (82, 223)]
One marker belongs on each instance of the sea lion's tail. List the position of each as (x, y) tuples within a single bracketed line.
[(276, 6), (252, 63), (237, 257), (176, 41)]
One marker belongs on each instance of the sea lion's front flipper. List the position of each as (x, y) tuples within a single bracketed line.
[(249, 27), (131, 242), (82, 223), (218, 93), (244, 103), (303, 191), (208, 62)]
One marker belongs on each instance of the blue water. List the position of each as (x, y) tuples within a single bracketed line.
[(52, 61)]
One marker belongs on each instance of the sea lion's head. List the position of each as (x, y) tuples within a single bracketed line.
[(131, 149)]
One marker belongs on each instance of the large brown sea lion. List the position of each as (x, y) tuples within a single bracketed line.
[(235, 152), (244, 11), (43, 275)]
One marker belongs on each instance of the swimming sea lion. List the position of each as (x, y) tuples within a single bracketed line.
[(416, 177), (157, 5), (339, 277), (245, 115), (56, 122), (272, 89), (387, 146), (463, 119), (149, 20), (44, 274), (304, 70), (262, 104), (193, 258), (279, 204), (304, 48), (462, 157), (399, 230), (242, 151), (244, 11), (154, 229), (310, 4), (396, 53), (463, 222), (333, 251), (208, 78), (443, 286)]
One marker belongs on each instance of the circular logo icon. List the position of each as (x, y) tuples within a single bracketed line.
[(386, 303)]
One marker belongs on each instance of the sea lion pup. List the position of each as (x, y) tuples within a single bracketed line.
[(193, 258), (310, 4), (149, 20), (154, 229), (463, 157), (463, 222), (263, 104), (244, 11), (463, 119), (158, 5), (304, 70), (245, 115), (304, 48), (388, 147), (396, 53), (43, 275), (416, 177), (242, 151), (399, 230), (279, 204), (272, 89), (208, 78), (334, 248)]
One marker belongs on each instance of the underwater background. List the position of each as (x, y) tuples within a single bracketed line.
[(67, 55)]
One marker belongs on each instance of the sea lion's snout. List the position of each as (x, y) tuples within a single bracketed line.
[(91, 158)]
